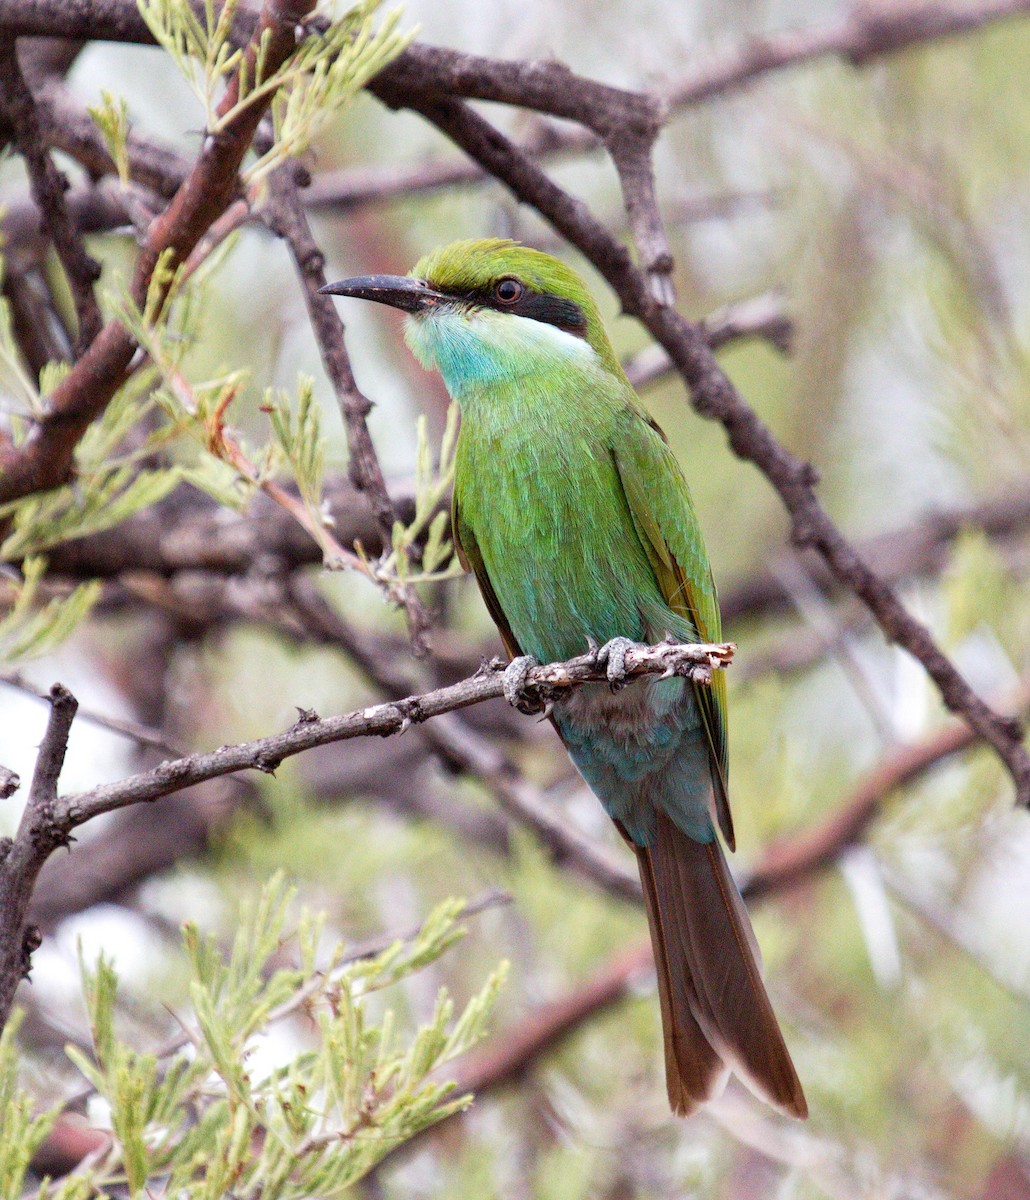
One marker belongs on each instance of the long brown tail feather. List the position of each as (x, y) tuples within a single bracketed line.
[(694, 1072), (716, 1014)]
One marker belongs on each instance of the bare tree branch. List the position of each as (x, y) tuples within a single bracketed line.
[(40, 833), (759, 317), (48, 188), (285, 216), (865, 33)]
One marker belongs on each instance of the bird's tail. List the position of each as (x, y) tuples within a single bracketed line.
[(716, 1015)]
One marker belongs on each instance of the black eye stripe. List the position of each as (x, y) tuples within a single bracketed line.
[(552, 310), (537, 306)]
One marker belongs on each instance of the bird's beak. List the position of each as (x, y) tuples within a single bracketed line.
[(399, 291)]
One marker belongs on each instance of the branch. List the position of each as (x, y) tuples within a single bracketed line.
[(48, 188), (40, 832), (713, 396), (286, 218), (44, 460), (759, 317), (49, 822), (153, 739), (864, 34)]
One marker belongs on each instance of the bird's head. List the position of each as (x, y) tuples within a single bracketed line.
[(481, 310)]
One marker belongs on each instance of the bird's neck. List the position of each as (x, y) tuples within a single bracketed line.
[(479, 352)]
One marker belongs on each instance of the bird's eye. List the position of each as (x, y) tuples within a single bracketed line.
[(508, 290)]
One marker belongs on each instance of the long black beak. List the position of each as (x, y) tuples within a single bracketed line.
[(399, 291)]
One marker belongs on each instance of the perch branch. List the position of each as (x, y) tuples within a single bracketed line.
[(48, 822)]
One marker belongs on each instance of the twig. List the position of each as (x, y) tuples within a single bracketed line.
[(758, 317), (40, 832), (285, 216), (140, 734), (713, 396), (48, 188)]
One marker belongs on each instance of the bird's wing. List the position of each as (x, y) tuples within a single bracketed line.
[(472, 560), (663, 515)]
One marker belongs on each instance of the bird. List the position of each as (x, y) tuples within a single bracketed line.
[(574, 515)]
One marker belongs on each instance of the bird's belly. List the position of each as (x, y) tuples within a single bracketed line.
[(641, 750)]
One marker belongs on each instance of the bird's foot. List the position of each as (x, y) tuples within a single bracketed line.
[(612, 656), (514, 683)]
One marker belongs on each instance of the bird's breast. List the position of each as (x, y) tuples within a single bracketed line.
[(547, 510)]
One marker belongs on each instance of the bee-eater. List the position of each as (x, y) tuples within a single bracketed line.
[(575, 517)]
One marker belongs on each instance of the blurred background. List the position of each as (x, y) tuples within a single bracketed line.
[(883, 212)]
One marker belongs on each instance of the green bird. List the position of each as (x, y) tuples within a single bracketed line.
[(574, 515)]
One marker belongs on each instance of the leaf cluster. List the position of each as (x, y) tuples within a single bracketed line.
[(229, 1111), (329, 66), (436, 559)]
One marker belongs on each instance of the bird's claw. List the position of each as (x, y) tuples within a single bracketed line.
[(612, 656), (513, 681)]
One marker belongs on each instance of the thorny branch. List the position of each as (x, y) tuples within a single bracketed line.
[(49, 821), (715, 397)]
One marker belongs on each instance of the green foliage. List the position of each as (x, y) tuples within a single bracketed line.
[(111, 117), (26, 629), (21, 1133), (299, 437), (432, 518), (113, 494), (222, 1114), (323, 73)]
